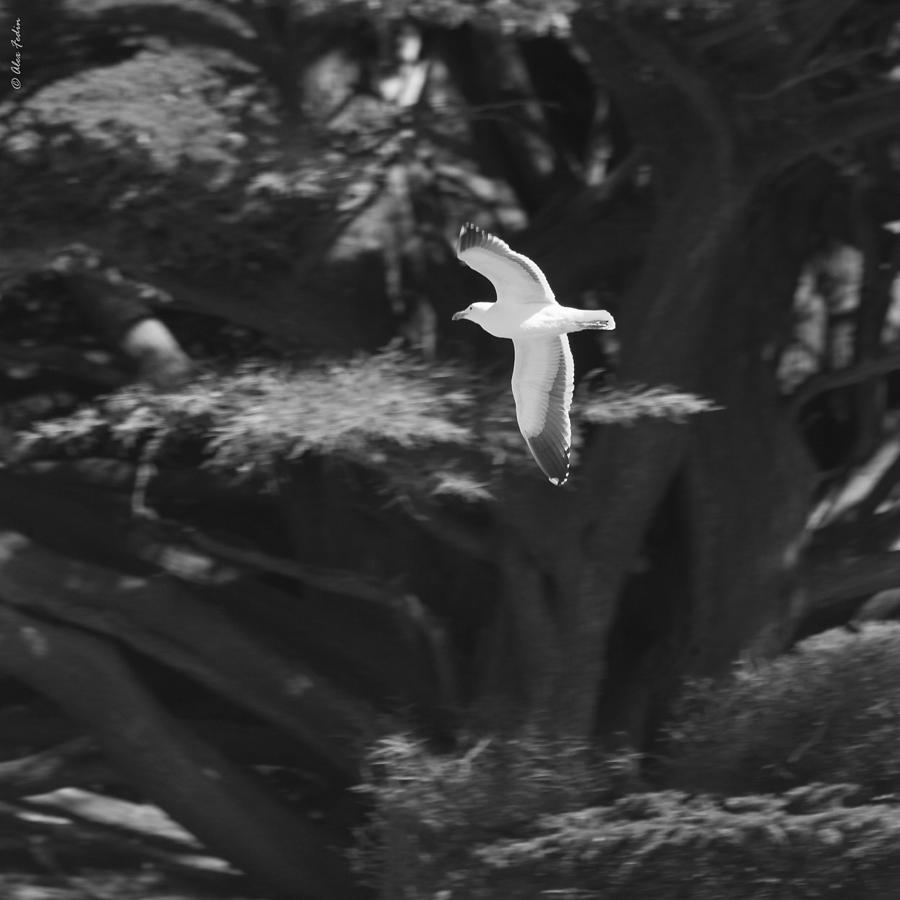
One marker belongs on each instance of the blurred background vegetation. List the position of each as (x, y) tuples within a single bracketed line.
[(273, 558)]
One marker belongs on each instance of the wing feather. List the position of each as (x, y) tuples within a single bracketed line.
[(542, 385), (515, 277)]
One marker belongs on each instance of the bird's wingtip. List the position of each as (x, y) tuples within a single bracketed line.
[(552, 459), (469, 235)]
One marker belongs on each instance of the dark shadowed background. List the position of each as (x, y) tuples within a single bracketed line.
[(275, 564)]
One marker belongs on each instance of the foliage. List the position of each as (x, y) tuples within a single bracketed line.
[(382, 411), (829, 711), (257, 417), (432, 809), (149, 158), (671, 845), (535, 818), (523, 17), (626, 405)]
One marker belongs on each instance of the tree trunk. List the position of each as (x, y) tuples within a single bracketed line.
[(630, 470), (729, 490), (564, 584)]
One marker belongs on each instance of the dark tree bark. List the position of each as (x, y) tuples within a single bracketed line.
[(735, 486), (490, 74), (61, 766), (187, 778), (159, 618)]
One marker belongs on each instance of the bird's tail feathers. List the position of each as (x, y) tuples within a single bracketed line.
[(595, 320)]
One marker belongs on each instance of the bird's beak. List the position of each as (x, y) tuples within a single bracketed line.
[(458, 315)]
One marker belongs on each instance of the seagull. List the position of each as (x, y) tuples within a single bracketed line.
[(527, 313)]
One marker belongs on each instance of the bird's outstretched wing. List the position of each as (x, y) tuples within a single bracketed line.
[(515, 277), (542, 384)]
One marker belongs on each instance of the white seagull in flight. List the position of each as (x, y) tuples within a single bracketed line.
[(527, 312)]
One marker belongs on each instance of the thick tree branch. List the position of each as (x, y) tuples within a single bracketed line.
[(351, 584), (336, 581), (448, 529), (29, 730), (818, 22), (125, 838), (161, 619), (830, 582), (829, 381), (685, 76), (40, 773), (487, 70), (616, 69), (199, 788), (655, 108), (618, 235), (117, 475), (841, 122), (67, 362), (883, 530), (854, 494), (96, 531), (176, 21), (880, 268), (807, 75)]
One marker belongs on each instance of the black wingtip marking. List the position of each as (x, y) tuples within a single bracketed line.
[(553, 460), (471, 236)]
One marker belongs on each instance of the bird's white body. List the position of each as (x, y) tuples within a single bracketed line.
[(518, 323), (527, 313)]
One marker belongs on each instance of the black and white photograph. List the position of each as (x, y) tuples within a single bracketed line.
[(450, 450)]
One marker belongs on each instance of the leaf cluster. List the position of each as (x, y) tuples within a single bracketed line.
[(172, 163), (806, 745), (628, 404), (429, 428), (826, 712), (669, 845), (431, 810), (258, 417), (532, 817)]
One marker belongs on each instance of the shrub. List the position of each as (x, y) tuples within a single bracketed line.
[(670, 846), (628, 404), (433, 429), (518, 819), (829, 712), (432, 811), (260, 415)]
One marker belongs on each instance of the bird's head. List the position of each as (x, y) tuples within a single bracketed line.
[(474, 311)]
